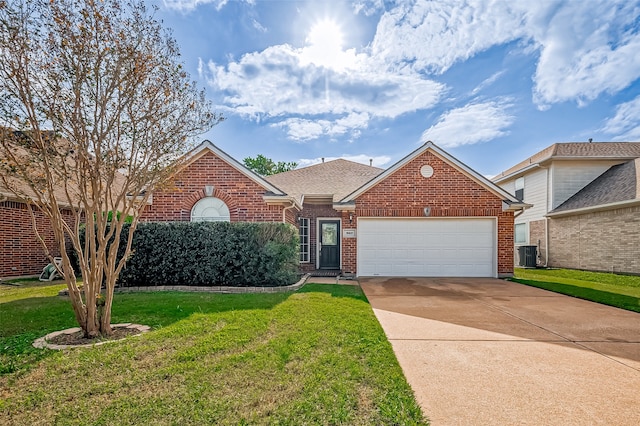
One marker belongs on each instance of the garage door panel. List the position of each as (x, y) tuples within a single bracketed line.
[(416, 254), (399, 254), (427, 247), (399, 270), (400, 238), (447, 255)]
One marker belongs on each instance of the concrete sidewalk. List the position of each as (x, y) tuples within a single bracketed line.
[(492, 352)]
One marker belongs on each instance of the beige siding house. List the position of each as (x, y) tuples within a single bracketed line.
[(553, 177)]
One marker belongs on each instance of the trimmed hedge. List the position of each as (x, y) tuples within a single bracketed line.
[(211, 253)]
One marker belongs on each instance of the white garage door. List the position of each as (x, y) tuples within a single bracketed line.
[(427, 247)]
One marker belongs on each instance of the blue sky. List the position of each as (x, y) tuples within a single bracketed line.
[(491, 82)]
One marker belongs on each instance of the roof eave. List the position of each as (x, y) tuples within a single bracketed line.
[(514, 207), (516, 174), (281, 200), (345, 207), (9, 196), (196, 153), (479, 179), (592, 209)]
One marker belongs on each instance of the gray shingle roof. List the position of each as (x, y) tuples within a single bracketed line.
[(603, 150), (336, 178), (617, 184)]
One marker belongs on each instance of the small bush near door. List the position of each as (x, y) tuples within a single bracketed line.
[(211, 253)]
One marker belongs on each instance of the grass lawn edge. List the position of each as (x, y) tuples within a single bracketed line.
[(616, 300)]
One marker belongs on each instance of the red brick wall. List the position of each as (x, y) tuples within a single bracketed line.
[(242, 195), (313, 212), (20, 252), (449, 193)]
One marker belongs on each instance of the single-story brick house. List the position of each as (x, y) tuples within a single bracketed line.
[(427, 215), (20, 251)]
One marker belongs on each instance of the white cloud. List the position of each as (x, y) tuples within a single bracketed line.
[(367, 7), (322, 89), (281, 81), (486, 83), (585, 47), (473, 123), (189, 5), (625, 125), (432, 36), (258, 26), (302, 129), (378, 161)]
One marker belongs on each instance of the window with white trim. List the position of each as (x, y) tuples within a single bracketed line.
[(304, 239), (210, 209), (520, 188), (521, 233)]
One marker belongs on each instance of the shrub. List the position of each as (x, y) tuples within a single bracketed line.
[(212, 253)]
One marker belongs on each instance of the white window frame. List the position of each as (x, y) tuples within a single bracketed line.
[(519, 186), (304, 233), (526, 233), (211, 204)]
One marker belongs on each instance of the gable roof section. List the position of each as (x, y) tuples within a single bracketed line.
[(575, 151), (458, 165), (206, 146), (333, 179), (616, 187)]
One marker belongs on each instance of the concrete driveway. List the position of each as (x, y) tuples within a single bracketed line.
[(483, 351)]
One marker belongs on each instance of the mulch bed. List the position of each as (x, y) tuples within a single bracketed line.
[(78, 338)]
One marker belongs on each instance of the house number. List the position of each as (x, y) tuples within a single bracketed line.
[(349, 233)]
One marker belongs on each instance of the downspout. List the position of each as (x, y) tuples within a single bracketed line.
[(546, 242), (284, 211), (546, 225)]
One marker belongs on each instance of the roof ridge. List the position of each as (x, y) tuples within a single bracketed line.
[(577, 150)]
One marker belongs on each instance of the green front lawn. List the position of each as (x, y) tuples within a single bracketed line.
[(317, 356), (622, 291)]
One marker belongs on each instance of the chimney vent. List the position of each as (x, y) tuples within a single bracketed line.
[(323, 159), (370, 162)]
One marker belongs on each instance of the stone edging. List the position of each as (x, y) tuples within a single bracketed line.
[(216, 289), (42, 343)]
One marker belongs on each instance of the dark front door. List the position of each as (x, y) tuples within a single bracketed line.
[(329, 239)]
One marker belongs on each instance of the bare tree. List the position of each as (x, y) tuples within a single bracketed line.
[(96, 110)]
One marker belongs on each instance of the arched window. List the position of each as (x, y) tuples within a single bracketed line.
[(210, 209)]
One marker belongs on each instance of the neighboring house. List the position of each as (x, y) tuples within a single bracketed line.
[(20, 251), (427, 215), (585, 205)]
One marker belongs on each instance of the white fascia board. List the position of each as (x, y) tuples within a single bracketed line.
[(516, 174), (591, 209), (280, 200), (236, 165), (513, 207), (341, 207), (475, 176)]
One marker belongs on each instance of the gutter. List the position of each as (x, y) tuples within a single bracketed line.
[(591, 209), (284, 211), (345, 207), (516, 173), (516, 207)]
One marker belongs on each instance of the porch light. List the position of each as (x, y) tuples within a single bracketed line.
[(350, 217)]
